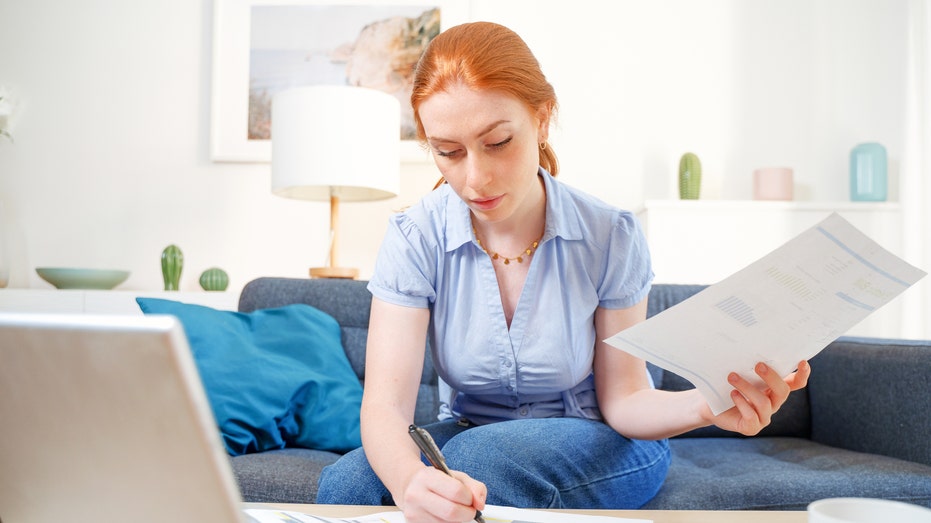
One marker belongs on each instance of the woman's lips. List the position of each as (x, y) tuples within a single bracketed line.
[(486, 204)]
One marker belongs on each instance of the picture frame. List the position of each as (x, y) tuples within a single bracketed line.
[(293, 24)]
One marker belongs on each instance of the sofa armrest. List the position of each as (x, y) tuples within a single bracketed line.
[(873, 395)]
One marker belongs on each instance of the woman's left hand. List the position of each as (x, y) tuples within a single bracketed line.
[(754, 406)]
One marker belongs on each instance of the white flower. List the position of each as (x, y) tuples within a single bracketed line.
[(7, 109)]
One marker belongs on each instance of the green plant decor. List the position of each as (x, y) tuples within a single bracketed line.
[(689, 177), (214, 279), (172, 263)]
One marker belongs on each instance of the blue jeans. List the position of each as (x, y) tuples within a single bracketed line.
[(527, 463)]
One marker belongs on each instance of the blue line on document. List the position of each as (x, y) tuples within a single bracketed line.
[(853, 301), (861, 259)]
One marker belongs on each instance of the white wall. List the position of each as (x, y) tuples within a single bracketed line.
[(111, 159)]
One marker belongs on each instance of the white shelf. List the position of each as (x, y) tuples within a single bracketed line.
[(104, 302), (764, 206)]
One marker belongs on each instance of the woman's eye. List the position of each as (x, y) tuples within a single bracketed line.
[(446, 154), (502, 143)]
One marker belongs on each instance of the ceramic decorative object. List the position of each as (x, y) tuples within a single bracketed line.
[(865, 510), (214, 279), (69, 278), (773, 183), (689, 177), (868, 178), (172, 263)]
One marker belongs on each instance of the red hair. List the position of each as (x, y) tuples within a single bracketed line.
[(484, 56)]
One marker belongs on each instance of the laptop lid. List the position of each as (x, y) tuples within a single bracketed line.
[(104, 419)]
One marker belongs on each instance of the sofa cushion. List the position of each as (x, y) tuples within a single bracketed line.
[(281, 476), (781, 474), (349, 302), (274, 377), (883, 388)]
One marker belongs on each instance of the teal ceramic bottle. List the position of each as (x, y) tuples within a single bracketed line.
[(868, 176), (172, 263)]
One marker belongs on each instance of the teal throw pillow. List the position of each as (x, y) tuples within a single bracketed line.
[(275, 378)]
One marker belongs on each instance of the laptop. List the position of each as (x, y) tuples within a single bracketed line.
[(104, 419)]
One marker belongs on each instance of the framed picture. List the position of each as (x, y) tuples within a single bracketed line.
[(261, 47)]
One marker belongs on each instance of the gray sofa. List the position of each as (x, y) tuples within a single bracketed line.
[(861, 428)]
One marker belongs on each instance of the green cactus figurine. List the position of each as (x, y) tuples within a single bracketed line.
[(689, 177), (214, 279), (172, 263)]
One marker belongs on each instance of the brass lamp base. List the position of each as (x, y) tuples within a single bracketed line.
[(347, 273)]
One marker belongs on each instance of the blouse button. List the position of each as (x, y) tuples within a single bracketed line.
[(523, 411)]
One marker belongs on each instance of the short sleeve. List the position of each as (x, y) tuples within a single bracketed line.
[(628, 269), (405, 270)]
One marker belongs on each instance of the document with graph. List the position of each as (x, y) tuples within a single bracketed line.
[(781, 309), (492, 514)]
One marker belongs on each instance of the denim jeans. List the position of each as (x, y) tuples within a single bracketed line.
[(527, 463)]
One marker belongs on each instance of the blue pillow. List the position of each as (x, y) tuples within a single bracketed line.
[(275, 378)]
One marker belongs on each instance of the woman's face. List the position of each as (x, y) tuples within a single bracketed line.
[(486, 145)]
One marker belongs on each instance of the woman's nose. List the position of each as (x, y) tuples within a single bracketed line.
[(478, 172)]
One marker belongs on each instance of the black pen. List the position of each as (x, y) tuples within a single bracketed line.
[(424, 440)]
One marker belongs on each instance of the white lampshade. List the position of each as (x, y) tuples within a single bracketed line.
[(335, 143), (339, 141)]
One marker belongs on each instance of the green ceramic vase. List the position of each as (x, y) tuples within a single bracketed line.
[(172, 263), (214, 279)]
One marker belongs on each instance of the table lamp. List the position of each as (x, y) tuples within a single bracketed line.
[(335, 143)]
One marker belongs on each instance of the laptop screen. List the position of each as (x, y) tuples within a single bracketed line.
[(104, 419)]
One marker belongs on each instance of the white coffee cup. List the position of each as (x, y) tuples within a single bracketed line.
[(866, 510)]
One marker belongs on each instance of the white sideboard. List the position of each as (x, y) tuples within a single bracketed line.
[(705, 241), (104, 302)]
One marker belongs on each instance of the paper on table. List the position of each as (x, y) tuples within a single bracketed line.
[(784, 308), (492, 514)]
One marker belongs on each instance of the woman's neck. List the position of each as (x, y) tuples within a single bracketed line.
[(512, 235)]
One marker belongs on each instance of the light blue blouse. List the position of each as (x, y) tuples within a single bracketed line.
[(591, 255)]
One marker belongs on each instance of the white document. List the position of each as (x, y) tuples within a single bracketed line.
[(491, 514), (782, 309)]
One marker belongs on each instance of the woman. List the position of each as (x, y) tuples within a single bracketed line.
[(515, 278)]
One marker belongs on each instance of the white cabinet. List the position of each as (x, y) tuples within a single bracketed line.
[(699, 241), (104, 302)]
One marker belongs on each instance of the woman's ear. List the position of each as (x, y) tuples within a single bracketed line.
[(543, 123)]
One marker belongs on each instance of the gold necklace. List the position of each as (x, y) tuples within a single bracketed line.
[(507, 260)]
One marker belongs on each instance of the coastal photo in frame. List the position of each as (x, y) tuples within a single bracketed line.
[(262, 47)]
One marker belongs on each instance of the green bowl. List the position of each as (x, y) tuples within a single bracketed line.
[(66, 278)]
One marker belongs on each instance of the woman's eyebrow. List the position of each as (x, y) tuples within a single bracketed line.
[(489, 128)]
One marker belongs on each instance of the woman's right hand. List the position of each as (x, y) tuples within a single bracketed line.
[(432, 496)]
